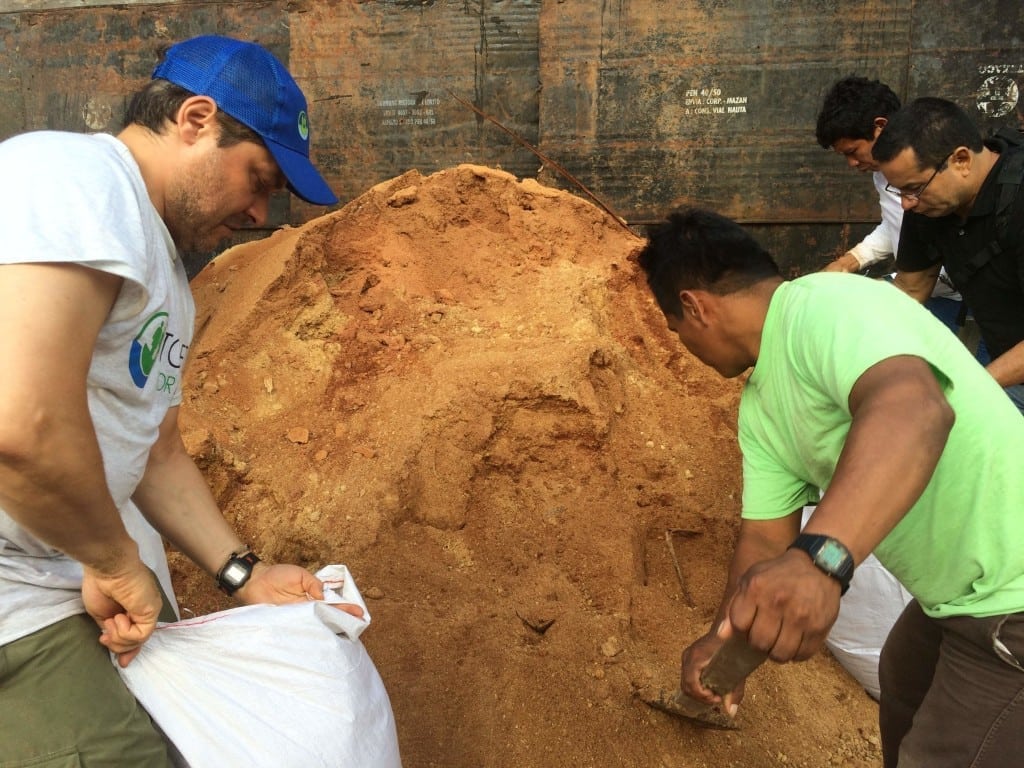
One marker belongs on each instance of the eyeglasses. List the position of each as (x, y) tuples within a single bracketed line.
[(916, 193)]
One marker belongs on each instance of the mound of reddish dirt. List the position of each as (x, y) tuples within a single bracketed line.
[(459, 386)]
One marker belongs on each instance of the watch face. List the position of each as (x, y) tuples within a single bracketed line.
[(832, 555), (234, 573), (833, 558)]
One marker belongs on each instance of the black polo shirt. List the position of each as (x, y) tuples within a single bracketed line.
[(995, 293)]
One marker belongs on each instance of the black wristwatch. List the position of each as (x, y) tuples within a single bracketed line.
[(236, 571), (830, 555)]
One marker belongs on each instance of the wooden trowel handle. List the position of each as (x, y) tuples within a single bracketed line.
[(730, 665)]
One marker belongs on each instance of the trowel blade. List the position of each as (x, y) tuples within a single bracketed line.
[(679, 704)]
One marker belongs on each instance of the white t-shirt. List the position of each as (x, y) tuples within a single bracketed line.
[(81, 199)]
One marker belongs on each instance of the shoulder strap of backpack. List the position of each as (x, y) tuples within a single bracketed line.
[(1012, 136), (1011, 175)]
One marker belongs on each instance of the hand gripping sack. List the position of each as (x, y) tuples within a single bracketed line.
[(269, 686)]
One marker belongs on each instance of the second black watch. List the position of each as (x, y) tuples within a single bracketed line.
[(829, 555), (236, 571)]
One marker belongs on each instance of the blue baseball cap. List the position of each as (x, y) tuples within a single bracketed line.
[(249, 83)]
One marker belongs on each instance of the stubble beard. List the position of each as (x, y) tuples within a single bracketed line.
[(192, 226)]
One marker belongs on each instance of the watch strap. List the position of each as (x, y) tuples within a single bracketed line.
[(829, 555)]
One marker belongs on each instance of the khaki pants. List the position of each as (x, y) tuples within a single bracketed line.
[(63, 705)]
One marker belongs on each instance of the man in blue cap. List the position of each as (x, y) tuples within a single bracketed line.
[(95, 324)]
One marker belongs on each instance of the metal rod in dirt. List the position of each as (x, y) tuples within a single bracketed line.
[(670, 543)]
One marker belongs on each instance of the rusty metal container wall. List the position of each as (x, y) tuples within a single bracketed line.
[(380, 76), (74, 69), (711, 103), (650, 104), (972, 53), (714, 103)]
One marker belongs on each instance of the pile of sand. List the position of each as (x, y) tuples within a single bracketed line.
[(459, 386)]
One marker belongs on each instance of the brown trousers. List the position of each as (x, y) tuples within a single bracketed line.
[(953, 692)]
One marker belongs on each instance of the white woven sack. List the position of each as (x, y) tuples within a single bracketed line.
[(866, 614), (269, 686)]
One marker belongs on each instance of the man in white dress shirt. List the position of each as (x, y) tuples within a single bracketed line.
[(852, 116)]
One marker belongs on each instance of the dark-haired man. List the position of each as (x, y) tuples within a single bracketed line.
[(95, 323), (853, 114), (824, 399), (962, 211)]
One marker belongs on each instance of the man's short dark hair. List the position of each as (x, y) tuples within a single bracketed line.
[(699, 249), (850, 108), (160, 100), (932, 128)]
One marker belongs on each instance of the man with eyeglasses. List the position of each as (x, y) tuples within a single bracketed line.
[(962, 211), (853, 114)]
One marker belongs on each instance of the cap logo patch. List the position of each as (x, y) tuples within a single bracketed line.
[(304, 125)]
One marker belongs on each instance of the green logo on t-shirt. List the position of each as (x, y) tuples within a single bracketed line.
[(146, 348)]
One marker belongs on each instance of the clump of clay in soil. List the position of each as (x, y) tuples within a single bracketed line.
[(459, 386)]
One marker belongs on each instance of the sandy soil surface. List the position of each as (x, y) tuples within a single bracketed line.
[(458, 386)]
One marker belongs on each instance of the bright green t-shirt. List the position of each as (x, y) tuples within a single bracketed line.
[(960, 549)]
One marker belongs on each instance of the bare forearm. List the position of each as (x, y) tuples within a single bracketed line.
[(1008, 368), (917, 285), (52, 480), (845, 263), (758, 540), (52, 484), (174, 497)]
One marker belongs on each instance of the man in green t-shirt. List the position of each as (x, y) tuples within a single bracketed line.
[(914, 450)]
